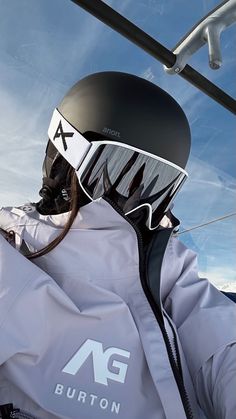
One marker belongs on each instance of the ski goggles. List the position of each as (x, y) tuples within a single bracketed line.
[(129, 176)]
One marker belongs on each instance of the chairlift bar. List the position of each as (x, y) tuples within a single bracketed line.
[(136, 35)]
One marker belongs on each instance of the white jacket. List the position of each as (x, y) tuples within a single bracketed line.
[(80, 339)]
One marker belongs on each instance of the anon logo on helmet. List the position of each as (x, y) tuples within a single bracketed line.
[(101, 362), (111, 132), (63, 135)]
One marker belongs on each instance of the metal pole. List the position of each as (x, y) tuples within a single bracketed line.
[(136, 35)]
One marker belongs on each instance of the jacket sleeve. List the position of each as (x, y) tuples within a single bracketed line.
[(21, 287), (206, 324), (216, 384)]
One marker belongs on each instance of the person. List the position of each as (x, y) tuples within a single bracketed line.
[(102, 311)]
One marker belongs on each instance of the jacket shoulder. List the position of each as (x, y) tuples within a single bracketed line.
[(13, 216)]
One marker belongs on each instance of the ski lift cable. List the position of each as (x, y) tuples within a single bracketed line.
[(207, 223), (119, 23)]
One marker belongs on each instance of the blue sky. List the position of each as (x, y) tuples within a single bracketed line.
[(46, 46)]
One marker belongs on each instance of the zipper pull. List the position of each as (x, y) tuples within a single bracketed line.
[(14, 414)]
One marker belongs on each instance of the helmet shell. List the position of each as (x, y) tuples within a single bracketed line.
[(131, 110)]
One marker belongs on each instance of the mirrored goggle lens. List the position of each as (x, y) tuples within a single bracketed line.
[(132, 178)]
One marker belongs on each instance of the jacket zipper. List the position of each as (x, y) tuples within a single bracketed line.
[(175, 364), (20, 414), (175, 344)]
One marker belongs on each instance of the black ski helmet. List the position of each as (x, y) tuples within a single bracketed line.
[(121, 108), (129, 109)]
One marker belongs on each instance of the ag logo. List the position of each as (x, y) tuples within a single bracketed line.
[(63, 135), (100, 362)]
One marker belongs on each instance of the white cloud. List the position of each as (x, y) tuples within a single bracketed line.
[(209, 190), (156, 6), (217, 276), (148, 74)]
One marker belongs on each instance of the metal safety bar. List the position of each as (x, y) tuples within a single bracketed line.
[(136, 35), (207, 31)]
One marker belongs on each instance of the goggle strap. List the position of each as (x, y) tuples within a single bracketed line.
[(68, 141)]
